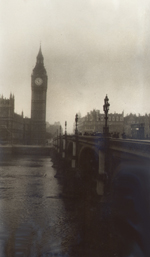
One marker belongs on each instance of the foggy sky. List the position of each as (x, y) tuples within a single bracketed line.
[(91, 48)]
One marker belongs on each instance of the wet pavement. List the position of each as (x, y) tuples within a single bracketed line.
[(37, 220)]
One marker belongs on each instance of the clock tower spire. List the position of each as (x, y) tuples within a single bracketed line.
[(39, 81)]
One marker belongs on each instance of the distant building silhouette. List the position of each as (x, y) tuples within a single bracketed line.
[(16, 129), (94, 122), (137, 126), (54, 129)]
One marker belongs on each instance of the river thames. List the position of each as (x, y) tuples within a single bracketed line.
[(37, 220)]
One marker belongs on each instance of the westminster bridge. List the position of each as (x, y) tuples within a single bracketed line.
[(100, 159)]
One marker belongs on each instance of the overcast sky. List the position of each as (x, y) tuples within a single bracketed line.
[(91, 48)]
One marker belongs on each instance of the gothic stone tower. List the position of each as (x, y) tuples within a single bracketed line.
[(38, 101)]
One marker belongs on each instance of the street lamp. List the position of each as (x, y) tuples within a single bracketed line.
[(106, 110), (76, 120), (65, 127)]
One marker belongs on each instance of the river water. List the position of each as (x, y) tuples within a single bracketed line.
[(35, 218)]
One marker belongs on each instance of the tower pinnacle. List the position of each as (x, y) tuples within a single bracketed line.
[(40, 57), (39, 67)]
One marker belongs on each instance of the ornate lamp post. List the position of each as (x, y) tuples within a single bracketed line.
[(106, 110), (65, 127), (60, 139), (76, 120), (64, 143)]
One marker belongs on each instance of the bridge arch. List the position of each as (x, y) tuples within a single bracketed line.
[(88, 161)]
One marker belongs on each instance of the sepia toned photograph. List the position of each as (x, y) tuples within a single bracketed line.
[(74, 128)]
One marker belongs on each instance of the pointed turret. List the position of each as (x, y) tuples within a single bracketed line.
[(40, 57), (39, 67)]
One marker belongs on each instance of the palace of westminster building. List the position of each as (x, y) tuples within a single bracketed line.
[(16, 129)]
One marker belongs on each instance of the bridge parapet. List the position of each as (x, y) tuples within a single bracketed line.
[(137, 148), (91, 141)]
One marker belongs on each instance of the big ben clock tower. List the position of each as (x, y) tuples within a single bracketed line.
[(38, 101)]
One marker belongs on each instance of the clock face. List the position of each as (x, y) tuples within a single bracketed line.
[(38, 81)]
